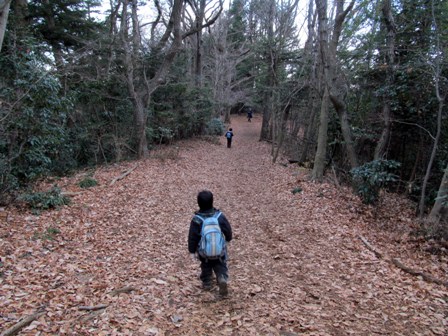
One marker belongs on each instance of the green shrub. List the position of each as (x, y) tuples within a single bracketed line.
[(164, 135), (371, 177), (88, 182), (46, 200), (297, 190), (34, 137), (215, 127)]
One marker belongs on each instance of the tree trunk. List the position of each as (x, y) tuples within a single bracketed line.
[(381, 148), (440, 209), (337, 89), (437, 68), (21, 24), (321, 152), (129, 63), (271, 66), (310, 130), (421, 206), (4, 12), (112, 19), (198, 61), (266, 121), (332, 83), (341, 109), (282, 131), (311, 58)]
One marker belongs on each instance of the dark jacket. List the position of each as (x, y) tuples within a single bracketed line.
[(194, 235), (231, 135)]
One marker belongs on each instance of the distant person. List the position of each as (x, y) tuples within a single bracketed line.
[(209, 232), (249, 115), (229, 136)]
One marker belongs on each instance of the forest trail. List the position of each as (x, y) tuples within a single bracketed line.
[(297, 265)]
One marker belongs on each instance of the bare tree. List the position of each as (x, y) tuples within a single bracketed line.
[(272, 66), (334, 87), (131, 43), (441, 96), (205, 14), (389, 55), (223, 57), (21, 19), (321, 151), (277, 26), (4, 13), (311, 62), (140, 87), (338, 88)]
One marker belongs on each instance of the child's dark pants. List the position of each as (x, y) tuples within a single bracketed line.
[(219, 266)]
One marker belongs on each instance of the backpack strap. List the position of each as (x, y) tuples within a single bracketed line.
[(216, 215), (200, 217)]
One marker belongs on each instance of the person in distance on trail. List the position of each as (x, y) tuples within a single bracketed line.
[(198, 246), (229, 136), (249, 115)]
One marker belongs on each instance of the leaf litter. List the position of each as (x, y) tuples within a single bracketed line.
[(297, 265)]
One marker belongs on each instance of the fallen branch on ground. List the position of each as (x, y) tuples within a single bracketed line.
[(122, 176), (21, 324), (98, 307), (71, 193), (378, 254), (397, 263), (426, 277), (91, 315), (122, 290)]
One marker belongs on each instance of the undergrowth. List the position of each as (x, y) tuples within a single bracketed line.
[(46, 199)]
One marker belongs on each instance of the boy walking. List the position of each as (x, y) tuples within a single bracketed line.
[(216, 265), (249, 115), (229, 136)]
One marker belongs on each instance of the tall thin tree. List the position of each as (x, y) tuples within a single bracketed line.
[(4, 13)]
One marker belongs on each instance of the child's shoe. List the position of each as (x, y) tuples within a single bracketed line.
[(222, 283), (207, 286)]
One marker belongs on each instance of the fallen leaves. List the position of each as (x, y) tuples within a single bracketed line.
[(296, 263)]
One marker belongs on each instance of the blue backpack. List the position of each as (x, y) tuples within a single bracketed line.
[(229, 135), (213, 243)]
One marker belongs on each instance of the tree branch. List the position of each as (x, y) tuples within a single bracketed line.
[(91, 308), (207, 24), (397, 263), (21, 324), (122, 176)]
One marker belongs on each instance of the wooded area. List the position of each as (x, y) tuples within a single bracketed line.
[(351, 88)]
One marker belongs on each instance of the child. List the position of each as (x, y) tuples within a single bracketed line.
[(249, 115), (229, 136), (208, 266)]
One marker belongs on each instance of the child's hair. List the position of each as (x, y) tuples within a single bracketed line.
[(230, 129), (205, 200)]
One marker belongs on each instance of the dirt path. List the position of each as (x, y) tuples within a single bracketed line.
[(297, 265)]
